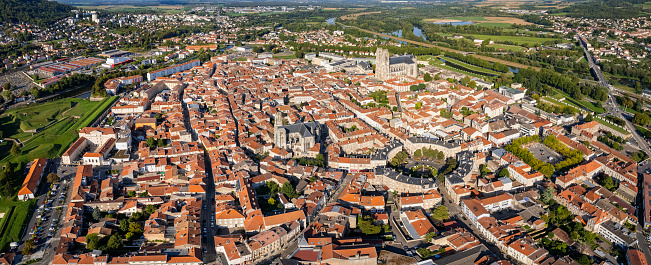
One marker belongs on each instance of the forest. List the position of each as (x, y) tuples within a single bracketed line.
[(605, 9), (41, 12)]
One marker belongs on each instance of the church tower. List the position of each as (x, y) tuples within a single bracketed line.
[(382, 64)]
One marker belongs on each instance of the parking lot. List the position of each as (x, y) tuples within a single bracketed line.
[(545, 154), (45, 223)]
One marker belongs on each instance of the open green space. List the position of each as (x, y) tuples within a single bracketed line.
[(470, 66), (439, 63), (587, 105), (520, 40), (14, 224), (54, 139), (494, 24), (508, 47), (614, 127), (286, 57)]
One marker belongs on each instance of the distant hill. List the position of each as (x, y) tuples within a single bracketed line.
[(40, 12)]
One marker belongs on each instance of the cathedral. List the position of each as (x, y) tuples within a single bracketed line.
[(387, 67), (299, 137)]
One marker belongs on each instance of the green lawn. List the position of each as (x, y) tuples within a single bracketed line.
[(286, 57), (520, 40), (55, 139), (471, 67), (508, 47), (494, 24), (16, 222), (616, 128), (587, 105), (440, 64)]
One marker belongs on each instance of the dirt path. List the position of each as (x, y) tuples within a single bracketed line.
[(490, 59)]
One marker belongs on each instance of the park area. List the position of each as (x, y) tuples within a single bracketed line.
[(15, 218), (46, 130)]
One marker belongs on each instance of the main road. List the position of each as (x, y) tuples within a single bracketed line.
[(613, 107), (615, 110)]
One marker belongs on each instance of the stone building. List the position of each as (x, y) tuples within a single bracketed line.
[(388, 67), (299, 137)]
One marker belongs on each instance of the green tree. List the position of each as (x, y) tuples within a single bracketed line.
[(503, 173), (124, 225), (97, 214), (150, 209), (589, 118), (135, 227), (427, 77), (151, 142), (584, 260), (271, 201), (418, 154), (289, 190), (472, 84), (419, 105), (115, 242), (29, 247), (35, 92), (608, 183), (441, 213), (131, 193), (429, 236), (130, 236), (424, 252), (15, 150), (366, 224), (299, 54), (440, 155), (52, 177), (92, 241), (547, 195), (641, 119)]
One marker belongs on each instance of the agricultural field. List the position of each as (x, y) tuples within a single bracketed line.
[(65, 117)]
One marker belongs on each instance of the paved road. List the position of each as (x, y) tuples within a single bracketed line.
[(47, 244), (614, 109)]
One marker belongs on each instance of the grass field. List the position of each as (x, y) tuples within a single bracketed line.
[(286, 57), (495, 25), (508, 47), (55, 139), (471, 67), (14, 224), (616, 128), (439, 63), (520, 40)]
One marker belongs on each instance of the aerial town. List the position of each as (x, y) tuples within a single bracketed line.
[(207, 135)]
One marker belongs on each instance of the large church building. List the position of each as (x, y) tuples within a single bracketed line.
[(388, 67)]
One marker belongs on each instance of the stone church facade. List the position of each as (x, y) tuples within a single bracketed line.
[(388, 67)]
